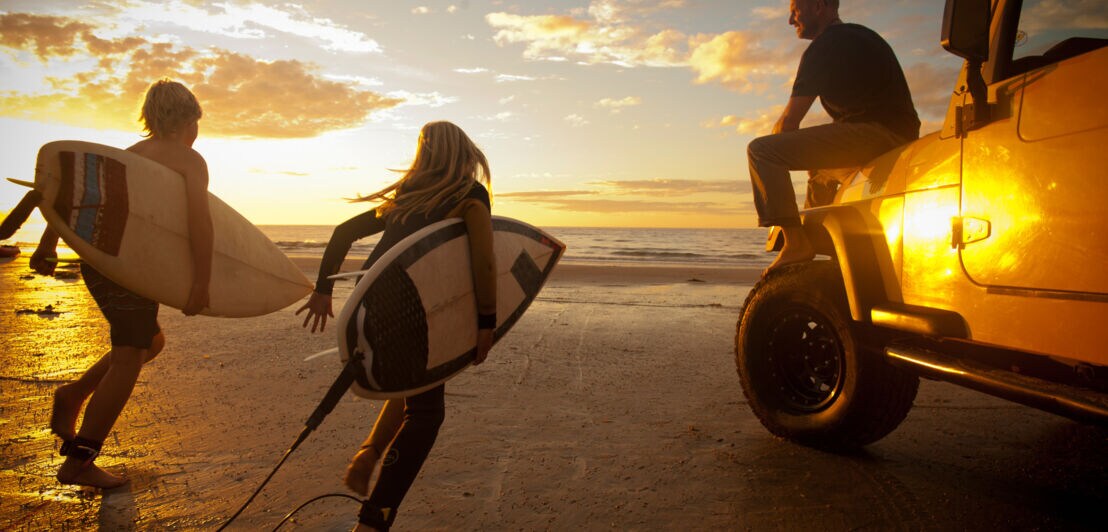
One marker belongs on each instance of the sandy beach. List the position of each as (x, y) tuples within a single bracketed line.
[(613, 404)]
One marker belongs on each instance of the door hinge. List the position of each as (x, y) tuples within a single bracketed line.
[(967, 230)]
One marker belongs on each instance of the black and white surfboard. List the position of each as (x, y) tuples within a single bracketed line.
[(413, 315)]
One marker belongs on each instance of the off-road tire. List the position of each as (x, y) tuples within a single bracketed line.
[(809, 372)]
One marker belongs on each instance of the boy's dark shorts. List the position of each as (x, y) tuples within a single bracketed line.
[(133, 318)]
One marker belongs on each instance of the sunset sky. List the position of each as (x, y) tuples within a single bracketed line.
[(605, 113)]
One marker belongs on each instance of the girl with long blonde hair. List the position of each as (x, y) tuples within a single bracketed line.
[(444, 181)]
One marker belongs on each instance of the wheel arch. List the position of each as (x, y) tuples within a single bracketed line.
[(857, 241)]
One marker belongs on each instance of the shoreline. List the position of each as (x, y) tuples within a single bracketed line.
[(597, 273)]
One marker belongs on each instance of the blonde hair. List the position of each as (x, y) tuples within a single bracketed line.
[(447, 164), (168, 106)]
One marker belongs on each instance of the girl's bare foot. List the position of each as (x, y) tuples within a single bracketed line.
[(360, 469), (75, 471), (63, 416)]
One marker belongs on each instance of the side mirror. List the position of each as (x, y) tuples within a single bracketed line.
[(966, 29)]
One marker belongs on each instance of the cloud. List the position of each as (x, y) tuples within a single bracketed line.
[(764, 120), (1056, 14), (576, 120), (740, 60), (356, 80), (251, 21), (242, 96), (611, 196), (610, 32), (755, 60), (288, 173), (545, 195), (677, 187), (508, 78), (424, 10), (931, 88), (428, 99), (619, 11), (543, 33), (616, 106), (502, 116), (601, 40), (504, 78), (760, 124), (771, 13), (45, 36), (616, 206)]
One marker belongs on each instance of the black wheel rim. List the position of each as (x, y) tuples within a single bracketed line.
[(805, 360)]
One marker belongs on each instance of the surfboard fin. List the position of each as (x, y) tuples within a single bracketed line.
[(19, 214), (325, 352), (21, 182), (345, 275)]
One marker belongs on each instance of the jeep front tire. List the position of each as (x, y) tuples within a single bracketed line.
[(805, 369)]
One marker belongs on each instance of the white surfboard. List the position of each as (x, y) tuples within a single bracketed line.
[(126, 216), (413, 315)]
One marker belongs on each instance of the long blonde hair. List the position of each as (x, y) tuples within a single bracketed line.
[(447, 164)]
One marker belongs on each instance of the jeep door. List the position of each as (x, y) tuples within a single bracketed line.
[(1035, 178)]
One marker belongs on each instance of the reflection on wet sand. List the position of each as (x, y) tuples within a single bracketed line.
[(53, 328), (50, 331)]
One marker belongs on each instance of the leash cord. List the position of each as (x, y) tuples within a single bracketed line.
[(298, 508), (338, 388)]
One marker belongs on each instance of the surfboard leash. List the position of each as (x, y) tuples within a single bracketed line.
[(309, 501), (334, 394)]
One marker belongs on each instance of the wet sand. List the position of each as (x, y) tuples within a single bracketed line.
[(613, 404)]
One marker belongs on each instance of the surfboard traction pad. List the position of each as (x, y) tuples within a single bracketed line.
[(92, 199), (397, 311)]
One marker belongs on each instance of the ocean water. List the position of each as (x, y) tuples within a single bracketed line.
[(721, 247)]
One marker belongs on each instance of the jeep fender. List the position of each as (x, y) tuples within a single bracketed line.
[(856, 239)]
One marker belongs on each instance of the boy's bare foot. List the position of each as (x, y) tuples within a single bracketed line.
[(360, 469), (63, 417), (74, 471)]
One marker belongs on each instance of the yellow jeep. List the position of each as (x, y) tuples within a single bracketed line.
[(976, 255)]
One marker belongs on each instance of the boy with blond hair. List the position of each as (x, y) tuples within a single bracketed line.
[(170, 116)]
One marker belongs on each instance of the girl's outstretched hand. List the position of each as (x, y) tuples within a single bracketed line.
[(319, 309)]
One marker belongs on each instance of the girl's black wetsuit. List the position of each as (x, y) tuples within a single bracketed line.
[(423, 413)]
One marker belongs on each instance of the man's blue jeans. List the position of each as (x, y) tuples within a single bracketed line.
[(830, 153)]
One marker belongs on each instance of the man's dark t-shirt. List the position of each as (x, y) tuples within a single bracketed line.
[(858, 79)]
